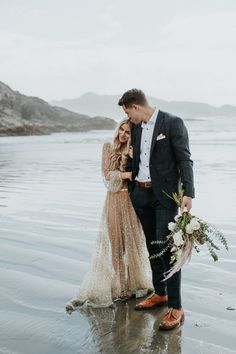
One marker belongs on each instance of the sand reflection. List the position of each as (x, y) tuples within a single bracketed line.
[(123, 330)]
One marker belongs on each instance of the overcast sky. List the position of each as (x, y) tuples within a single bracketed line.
[(172, 49)]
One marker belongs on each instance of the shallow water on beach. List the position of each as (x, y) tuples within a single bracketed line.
[(51, 197)]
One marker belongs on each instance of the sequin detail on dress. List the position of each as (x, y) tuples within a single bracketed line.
[(120, 266)]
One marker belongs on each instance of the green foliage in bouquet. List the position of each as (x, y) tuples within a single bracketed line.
[(186, 233)]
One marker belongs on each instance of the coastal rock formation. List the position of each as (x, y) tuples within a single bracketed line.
[(24, 115)]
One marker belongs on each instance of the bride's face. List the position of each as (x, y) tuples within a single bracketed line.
[(124, 133)]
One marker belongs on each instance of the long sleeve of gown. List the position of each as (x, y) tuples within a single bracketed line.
[(112, 180)]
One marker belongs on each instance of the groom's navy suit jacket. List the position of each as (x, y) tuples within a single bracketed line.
[(170, 159)]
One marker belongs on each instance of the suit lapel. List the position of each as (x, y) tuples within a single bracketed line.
[(159, 120), (138, 134)]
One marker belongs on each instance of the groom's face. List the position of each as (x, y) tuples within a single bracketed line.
[(134, 113)]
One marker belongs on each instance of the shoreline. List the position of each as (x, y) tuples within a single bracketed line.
[(29, 130)]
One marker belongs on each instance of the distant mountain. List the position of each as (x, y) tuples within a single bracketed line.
[(106, 105), (23, 115)]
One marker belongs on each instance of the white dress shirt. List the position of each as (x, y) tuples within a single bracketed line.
[(146, 141)]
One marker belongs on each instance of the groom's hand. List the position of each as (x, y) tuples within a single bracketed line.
[(186, 203)]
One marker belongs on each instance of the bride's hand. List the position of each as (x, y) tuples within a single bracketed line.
[(126, 175), (131, 152)]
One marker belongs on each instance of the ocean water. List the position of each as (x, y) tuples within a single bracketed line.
[(51, 197)]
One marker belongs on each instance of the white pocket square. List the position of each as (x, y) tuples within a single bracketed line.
[(161, 136)]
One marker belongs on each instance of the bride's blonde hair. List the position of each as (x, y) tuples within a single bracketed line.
[(119, 156)]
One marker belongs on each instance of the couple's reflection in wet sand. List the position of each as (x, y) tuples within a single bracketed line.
[(122, 330)]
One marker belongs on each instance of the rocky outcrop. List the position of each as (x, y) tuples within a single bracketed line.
[(24, 115)]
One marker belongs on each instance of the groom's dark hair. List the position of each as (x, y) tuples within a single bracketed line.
[(133, 96)]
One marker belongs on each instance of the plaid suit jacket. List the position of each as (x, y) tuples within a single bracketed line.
[(170, 158)]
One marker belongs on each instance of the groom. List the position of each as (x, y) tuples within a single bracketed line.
[(161, 161)]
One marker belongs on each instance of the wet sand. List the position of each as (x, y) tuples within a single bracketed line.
[(51, 198)]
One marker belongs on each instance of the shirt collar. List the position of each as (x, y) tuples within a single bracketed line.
[(152, 120)]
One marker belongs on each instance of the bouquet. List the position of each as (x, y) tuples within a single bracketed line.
[(186, 233)]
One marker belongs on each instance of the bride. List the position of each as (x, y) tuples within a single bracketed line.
[(120, 267)]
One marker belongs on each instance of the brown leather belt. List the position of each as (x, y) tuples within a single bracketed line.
[(144, 184)]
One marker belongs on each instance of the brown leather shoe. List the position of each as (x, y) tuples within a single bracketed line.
[(152, 301), (172, 319)]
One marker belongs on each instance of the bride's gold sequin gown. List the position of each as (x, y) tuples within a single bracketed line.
[(120, 266)]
